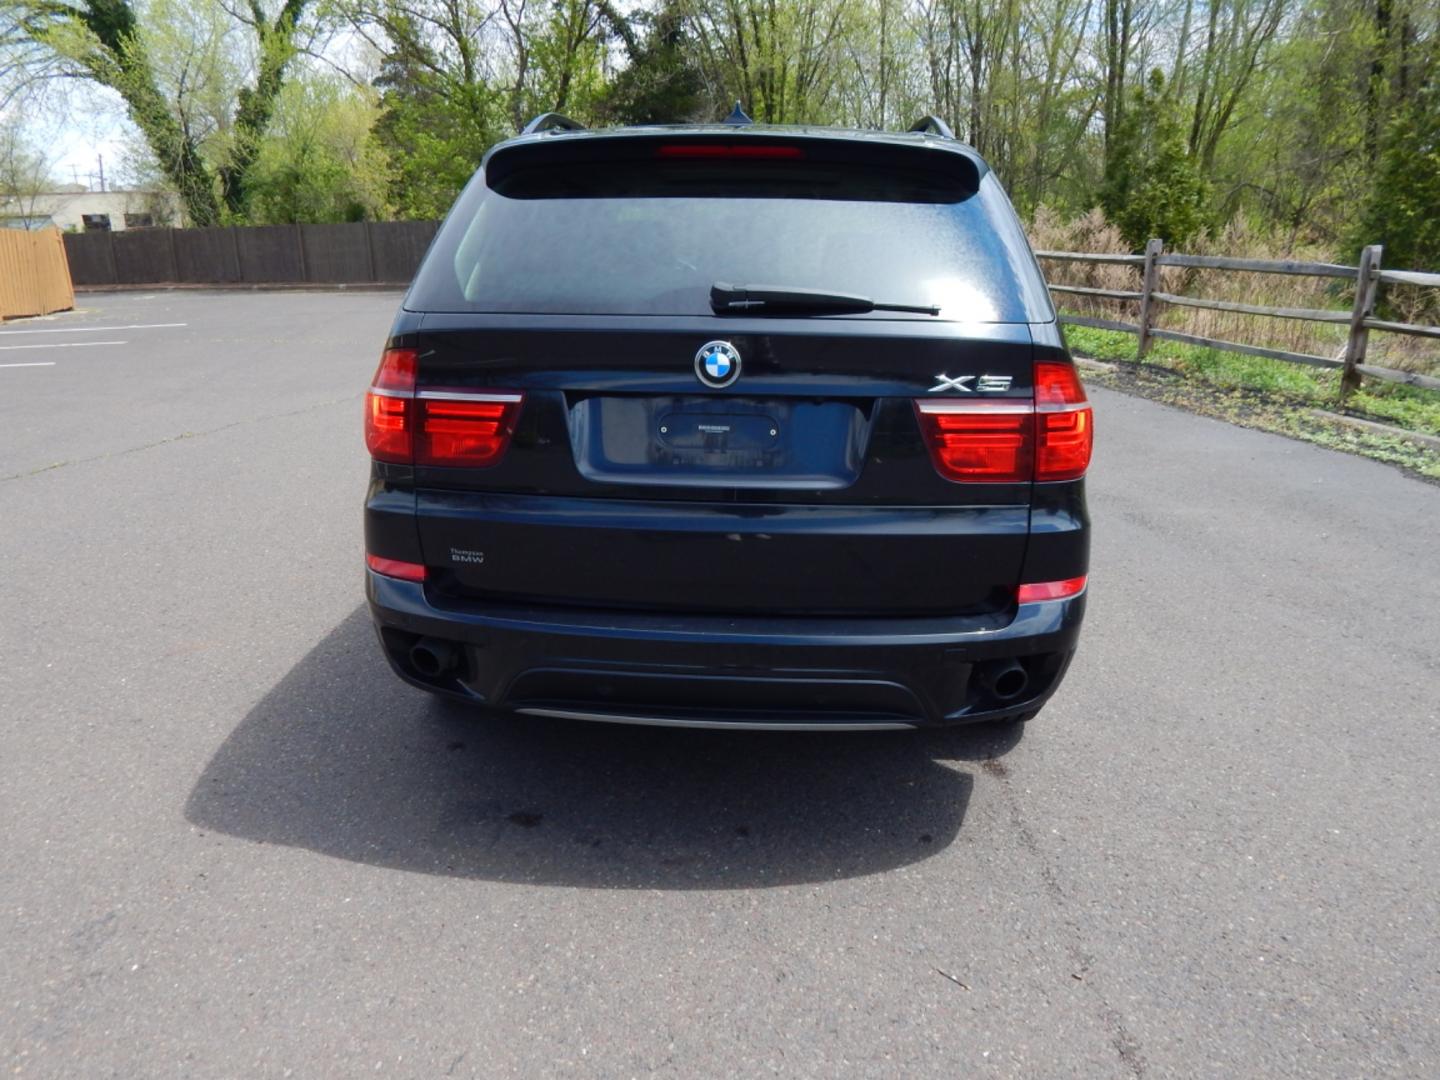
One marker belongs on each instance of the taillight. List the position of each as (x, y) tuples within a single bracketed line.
[(979, 440), (1064, 423), (388, 405), (435, 426), (469, 428), (1007, 441)]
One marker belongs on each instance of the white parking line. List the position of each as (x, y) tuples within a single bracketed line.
[(63, 345), (33, 363), (97, 329)]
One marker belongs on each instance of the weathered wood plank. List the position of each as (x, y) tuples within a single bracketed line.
[(1303, 314), (1248, 350), (1079, 256), (1392, 375), (1259, 266), (1108, 294), (1413, 329), (1410, 277), (1100, 324)]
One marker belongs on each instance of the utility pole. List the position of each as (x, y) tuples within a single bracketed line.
[(100, 161)]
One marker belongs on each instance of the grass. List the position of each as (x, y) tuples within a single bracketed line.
[(1269, 394)]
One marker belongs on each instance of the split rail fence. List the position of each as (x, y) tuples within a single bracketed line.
[(1360, 319)]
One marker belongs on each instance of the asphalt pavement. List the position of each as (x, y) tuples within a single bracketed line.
[(232, 843)]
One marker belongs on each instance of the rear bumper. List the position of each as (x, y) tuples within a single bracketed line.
[(719, 671)]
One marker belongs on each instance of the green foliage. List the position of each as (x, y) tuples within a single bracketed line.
[(661, 84), (1284, 114), (1153, 186), (319, 161), (1113, 345), (1413, 408), (156, 65), (433, 141), (24, 172), (1244, 390), (783, 61), (1403, 211)]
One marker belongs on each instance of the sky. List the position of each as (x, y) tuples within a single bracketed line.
[(74, 132), (79, 123)]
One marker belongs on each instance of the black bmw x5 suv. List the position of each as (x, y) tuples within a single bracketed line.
[(730, 426)]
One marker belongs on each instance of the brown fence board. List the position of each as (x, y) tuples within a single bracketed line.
[(142, 256), (383, 252), (205, 256), (269, 254), (34, 273), (399, 246), (337, 253), (92, 261), (1100, 324), (1259, 266), (1248, 350)]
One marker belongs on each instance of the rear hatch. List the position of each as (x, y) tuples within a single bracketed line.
[(660, 455)]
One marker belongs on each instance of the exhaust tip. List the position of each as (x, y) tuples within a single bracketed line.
[(1006, 679), (433, 658)]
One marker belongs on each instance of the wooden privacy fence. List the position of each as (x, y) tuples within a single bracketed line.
[(357, 253), (1358, 321), (34, 275)]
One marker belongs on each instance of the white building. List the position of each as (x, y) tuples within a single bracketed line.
[(90, 211)]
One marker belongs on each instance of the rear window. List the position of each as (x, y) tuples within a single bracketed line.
[(650, 238)]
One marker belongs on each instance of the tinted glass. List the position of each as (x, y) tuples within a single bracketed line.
[(546, 250)]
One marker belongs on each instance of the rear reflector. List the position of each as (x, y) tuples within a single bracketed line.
[(1012, 440), (728, 151), (1050, 590), (464, 427), (405, 571), (979, 440)]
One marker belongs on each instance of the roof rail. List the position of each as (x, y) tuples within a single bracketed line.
[(933, 124), (552, 121)]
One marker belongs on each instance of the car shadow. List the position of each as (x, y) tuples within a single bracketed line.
[(342, 758)]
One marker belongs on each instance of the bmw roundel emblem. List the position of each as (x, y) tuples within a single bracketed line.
[(717, 364)]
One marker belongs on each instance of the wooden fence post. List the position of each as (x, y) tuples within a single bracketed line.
[(1149, 278), (1367, 281)]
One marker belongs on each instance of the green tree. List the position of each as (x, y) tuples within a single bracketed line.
[(783, 61), (439, 111), (1403, 211), (24, 172), (1153, 187), (320, 160), (662, 83), (105, 42)]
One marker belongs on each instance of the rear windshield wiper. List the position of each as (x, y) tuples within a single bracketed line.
[(728, 299)]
